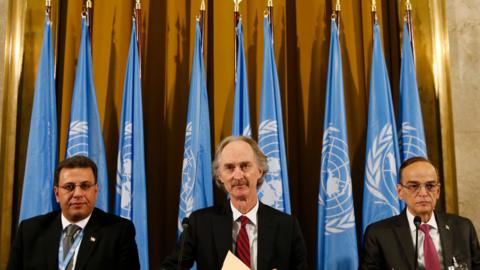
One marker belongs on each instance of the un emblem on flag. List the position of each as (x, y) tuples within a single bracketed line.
[(336, 185), (271, 191), (381, 172), (188, 178), (78, 139), (411, 144), (124, 172), (124, 187)]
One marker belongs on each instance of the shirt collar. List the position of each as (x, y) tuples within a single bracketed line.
[(252, 214), (432, 222), (82, 223)]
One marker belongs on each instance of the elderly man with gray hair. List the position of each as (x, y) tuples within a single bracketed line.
[(260, 236)]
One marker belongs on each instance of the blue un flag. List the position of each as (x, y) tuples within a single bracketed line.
[(37, 194), (412, 136), (85, 133), (131, 192), (337, 239), (275, 190), (241, 107), (380, 198), (196, 190)]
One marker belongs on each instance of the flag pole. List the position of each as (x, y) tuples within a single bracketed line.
[(48, 13), (202, 21), (270, 15), (337, 14), (408, 16), (236, 19), (89, 9), (138, 17), (48, 8)]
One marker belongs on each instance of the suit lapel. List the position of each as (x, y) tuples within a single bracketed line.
[(222, 228), (266, 230), (403, 234), (90, 238), (446, 238), (52, 235)]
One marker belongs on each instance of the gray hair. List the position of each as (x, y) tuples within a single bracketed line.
[(259, 156)]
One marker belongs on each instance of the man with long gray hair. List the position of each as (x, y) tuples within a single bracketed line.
[(260, 236)]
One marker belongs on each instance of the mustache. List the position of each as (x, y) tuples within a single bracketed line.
[(240, 182)]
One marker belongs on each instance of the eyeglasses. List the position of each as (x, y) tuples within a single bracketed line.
[(70, 187), (415, 187)]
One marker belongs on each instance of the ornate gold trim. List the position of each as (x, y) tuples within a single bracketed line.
[(8, 113)]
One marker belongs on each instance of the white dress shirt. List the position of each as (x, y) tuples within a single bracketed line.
[(82, 223), (252, 231), (434, 234)]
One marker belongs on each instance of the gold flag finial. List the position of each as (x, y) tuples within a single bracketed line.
[(89, 4), (338, 6), (270, 3), (138, 5), (374, 6), (202, 5), (408, 5), (48, 8), (237, 5)]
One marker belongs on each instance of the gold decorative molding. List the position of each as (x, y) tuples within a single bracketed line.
[(13, 67)]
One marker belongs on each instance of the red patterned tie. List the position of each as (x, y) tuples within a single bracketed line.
[(429, 252), (242, 249)]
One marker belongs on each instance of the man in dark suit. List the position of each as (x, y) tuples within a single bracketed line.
[(79, 236), (260, 236), (445, 241)]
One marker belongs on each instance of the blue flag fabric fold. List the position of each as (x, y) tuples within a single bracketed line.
[(85, 132), (337, 239), (196, 189), (131, 192), (410, 122), (241, 107), (275, 190), (380, 199), (37, 195)]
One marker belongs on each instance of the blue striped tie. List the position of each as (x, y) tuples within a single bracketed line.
[(70, 233)]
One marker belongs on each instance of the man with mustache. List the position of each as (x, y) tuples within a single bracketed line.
[(79, 236), (262, 237), (445, 241)]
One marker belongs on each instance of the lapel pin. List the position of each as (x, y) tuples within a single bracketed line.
[(92, 239), (447, 227)]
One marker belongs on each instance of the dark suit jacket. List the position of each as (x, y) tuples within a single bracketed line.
[(108, 243), (209, 238), (388, 243)]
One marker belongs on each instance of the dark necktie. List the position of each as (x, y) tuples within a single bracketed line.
[(70, 233), (242, 245), (429, 252)]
